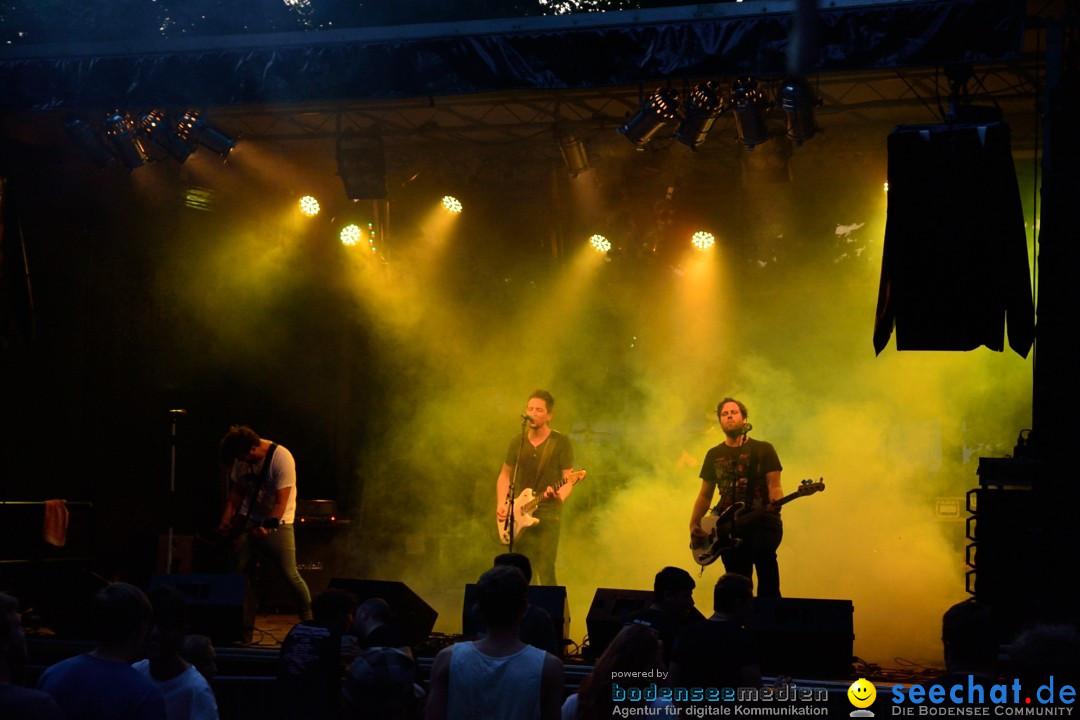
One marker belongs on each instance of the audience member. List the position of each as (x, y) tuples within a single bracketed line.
[(537, 628), (372, 627), (672, 607), (719, 652), (199, 651), (18, 703), (187, 694), (380, 684), (636, 649), (101, 684), (497, 677), (310, 664)]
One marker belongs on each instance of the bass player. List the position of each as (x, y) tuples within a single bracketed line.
[(540, 461), (746, 471)]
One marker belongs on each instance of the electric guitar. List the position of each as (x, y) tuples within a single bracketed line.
[(720, 524), (525, 505)]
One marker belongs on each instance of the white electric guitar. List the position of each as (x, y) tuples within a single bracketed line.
[(525, 505)]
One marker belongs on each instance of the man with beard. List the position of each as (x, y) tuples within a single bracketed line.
[(745, 471)]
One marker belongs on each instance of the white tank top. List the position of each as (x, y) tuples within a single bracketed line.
[(494, 688)]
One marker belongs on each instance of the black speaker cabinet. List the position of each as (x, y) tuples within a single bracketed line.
[(411, 614), (802, 637), (552, 598), (610, 609), (216, 604)]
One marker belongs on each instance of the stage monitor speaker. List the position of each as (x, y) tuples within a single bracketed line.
[(216, 604), (610, 609), (552, 598), (803, 637), (411, 614)]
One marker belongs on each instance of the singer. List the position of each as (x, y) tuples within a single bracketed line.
[(747, 471), (544, 462)]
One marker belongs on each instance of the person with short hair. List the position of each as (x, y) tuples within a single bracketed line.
[(261, 506), (719, 652), (744, 471), (497, 677), (672, 607), (544, 462), (101, 684)]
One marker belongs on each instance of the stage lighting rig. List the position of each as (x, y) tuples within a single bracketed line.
[(197, 128), (573, 151), (749, 104), (704, 104), (120, 130), (657, 110), (171, 138), (91, 143), (798, 101)]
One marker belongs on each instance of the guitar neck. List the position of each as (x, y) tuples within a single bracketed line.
[(535, 502)]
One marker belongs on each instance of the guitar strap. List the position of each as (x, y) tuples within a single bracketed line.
[(549, 448), (265, 473)]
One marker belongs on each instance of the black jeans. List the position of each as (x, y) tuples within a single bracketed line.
[(540, 543), (277, 549), (758, 550)]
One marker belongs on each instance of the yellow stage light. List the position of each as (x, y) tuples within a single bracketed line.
[(350, 235), (600, 243), (703, 240), (452, 204), (309, 206), (886, 187)]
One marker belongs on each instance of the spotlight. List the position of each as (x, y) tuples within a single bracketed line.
[(573, 152), (886, 186), (797, 100), (121, 133), (155, 125), (309, 206), (350, 235), (703, 240), (202, 132), (452, 204), (656, 111), (361, 165), (749, 105), (89, 141), (600, 243), (703, 105)]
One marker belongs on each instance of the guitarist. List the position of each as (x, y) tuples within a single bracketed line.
[(543, 457), (261, 506), (747, 471)]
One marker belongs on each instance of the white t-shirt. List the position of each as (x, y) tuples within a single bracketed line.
[(282, 475), (187, 696)]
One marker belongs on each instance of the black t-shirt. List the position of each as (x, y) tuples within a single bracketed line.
[(739, 472), (562, 457), (712, 653), (666, 625)]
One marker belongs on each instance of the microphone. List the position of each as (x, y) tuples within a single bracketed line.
[(527, 418), (746, 428)]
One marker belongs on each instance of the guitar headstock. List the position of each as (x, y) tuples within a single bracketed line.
[(809, 486)]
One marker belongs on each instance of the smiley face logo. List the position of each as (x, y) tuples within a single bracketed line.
[(862, 693)]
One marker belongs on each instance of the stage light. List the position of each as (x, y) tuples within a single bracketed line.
[(656, 111), (797, 100), (309, 206), (886, 186), (573, 152), (206, 135), (703, 240), (350, 235), (121, 133), (173, 140), (600, 243), (452, 204), (361, 164), (749, 105), (89, 141), (703, 105), (371, 236)]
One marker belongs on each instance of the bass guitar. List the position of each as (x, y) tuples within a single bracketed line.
[(720, 524), (525, 505)]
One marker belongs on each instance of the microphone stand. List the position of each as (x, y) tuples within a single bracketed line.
[(511, 491), (175, 415)]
